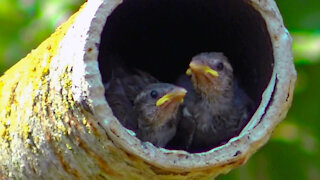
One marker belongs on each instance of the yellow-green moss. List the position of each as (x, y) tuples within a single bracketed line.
[(31, 70)]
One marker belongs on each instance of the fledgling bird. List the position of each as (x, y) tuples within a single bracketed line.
[(219, 107), (156, 109), (122, 90)]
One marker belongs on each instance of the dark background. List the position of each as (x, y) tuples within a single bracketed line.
[(293, 151)]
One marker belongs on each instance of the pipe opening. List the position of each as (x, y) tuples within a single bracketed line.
[(161, 36)]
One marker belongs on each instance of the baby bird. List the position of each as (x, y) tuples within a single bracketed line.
[(156, 109), (122, 90), (216, 103)]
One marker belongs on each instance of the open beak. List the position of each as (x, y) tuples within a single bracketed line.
[(174, 96), (201, 69)]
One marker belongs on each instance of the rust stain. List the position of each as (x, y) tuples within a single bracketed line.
[(235, 163), (47, 136), (3, 177), (73, 121), (66, 166), (103, 165), (132, 157), (58, 154), (241, 161), (91, 124), (183, 156)]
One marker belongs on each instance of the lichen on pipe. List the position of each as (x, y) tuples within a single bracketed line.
[(56, 124)]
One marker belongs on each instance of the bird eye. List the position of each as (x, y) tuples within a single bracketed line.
[(154, 94), (220, 66)]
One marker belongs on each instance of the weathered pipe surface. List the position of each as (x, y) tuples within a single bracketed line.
[(56, 124)]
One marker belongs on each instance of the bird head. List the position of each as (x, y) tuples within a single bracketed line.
[(210, 73), (158, 103)]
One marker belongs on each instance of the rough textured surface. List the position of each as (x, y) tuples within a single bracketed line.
[(56, 124)]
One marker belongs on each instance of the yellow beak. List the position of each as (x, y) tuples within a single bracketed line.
[(176, 96), (197, 68)]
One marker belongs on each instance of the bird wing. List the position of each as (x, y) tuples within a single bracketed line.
[(185, 131), (121, 106), (134, 83), (243, 103)]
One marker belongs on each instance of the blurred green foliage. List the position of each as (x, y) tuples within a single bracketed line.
[(292, 153), (26, 23)]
